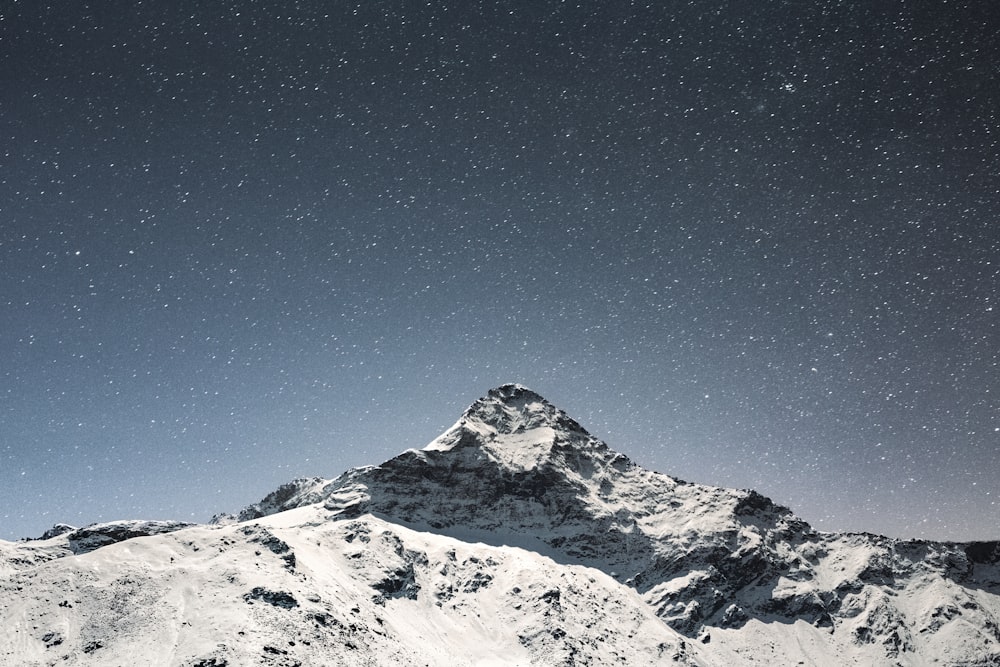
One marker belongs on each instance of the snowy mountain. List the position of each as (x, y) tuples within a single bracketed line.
[(514, 538)]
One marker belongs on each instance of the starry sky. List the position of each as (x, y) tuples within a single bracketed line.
[(747, 244)]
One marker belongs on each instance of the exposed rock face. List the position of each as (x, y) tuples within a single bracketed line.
[(298, 492), (88, 538), (56, 531)]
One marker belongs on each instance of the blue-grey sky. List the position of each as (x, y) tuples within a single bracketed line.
[(748, 244)]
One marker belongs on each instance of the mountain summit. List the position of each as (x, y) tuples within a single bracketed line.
[(517, 428), (515, 537), (514, 408)]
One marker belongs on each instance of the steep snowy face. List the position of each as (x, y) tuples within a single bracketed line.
[(515, 427), (515, 470)]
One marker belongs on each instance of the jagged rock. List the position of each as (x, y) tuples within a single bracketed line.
[(281, 599), (983, 552), (298, 492), (56, 531), (89, 538), (268, 540)]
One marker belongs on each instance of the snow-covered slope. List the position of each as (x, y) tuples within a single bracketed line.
[(514, 538), (298, 588)]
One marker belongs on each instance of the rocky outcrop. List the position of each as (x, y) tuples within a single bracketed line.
[(298, 492), (56, 531), (89, 538)]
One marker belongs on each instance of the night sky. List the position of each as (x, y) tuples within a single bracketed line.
[(747, 244)]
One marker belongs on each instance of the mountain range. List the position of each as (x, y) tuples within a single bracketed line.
[(514, 538)]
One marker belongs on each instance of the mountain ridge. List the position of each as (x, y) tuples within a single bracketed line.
[(724, 572), (512, 453)]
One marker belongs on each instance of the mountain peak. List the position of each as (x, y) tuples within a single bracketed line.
[(513, 533), (513, 391), (513, 408)]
